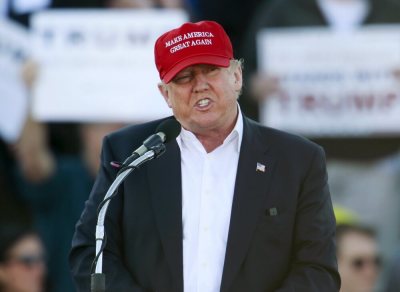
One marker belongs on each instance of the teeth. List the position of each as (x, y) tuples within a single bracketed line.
[(204, 102)]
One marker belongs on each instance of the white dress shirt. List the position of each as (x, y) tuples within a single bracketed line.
[(208, 181)]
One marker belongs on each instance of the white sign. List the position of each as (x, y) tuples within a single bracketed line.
[(13, 98), (99, 65), (333, 84)]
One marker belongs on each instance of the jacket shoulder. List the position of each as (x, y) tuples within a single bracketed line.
[(284, 141)]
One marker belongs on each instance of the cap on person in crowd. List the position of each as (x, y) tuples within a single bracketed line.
[(204, 42), (344, 215)]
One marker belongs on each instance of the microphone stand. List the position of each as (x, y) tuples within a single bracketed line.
[(98, 279)]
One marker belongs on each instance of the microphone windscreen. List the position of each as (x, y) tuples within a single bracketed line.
[(171, 128)]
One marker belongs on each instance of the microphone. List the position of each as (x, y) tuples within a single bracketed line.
[(165, 132)]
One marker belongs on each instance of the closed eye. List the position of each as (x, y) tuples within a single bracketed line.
[(182, 79), (212, 70)]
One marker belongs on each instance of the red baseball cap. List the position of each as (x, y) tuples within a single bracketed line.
[(203, 42)]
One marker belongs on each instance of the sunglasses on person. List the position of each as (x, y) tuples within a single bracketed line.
[(360, 263), (29, 260)]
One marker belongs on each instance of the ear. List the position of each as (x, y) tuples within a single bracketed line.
[(238, 78), (164, 92)]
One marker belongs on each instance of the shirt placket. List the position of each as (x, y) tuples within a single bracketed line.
[(205, 236)]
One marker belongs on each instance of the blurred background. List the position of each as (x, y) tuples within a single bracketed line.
[(73, 71)]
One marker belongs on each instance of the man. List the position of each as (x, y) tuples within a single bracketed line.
[(231, 206), (358, 258)]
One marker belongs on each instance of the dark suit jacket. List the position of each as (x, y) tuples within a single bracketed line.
[(281, 235)]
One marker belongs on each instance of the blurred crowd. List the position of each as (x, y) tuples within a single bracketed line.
[(47, 174)]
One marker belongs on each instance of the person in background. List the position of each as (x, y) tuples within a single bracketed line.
[(358, 258), (55, 187), (10, 202), (22, 260)]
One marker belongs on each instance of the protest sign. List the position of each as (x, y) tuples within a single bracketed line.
[(14, 46), (98, 65), (333, 84)]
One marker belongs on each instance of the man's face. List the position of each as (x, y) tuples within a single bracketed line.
[(203, 97), (358, 262)]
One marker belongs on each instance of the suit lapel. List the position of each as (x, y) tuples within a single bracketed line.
[(164, 175), (250, 190)]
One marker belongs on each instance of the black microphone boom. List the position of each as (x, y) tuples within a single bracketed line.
[(171, 129)]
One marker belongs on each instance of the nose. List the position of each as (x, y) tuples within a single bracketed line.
[(200, 82)]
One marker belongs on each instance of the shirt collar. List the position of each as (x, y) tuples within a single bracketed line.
[(237, 132)]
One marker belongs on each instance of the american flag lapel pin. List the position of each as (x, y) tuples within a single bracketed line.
[(273, 212), (260, 167)]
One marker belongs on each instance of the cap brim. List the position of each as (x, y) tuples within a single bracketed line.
[(202, 59)]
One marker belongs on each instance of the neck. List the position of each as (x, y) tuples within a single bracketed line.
[(214, 138), (210, 142)]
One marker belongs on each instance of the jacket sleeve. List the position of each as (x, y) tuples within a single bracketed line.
[(314, 265), (82, 253)]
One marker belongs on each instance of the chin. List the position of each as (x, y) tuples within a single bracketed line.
[(204, 122)]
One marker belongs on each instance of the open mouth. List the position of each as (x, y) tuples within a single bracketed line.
[(202, 103)]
